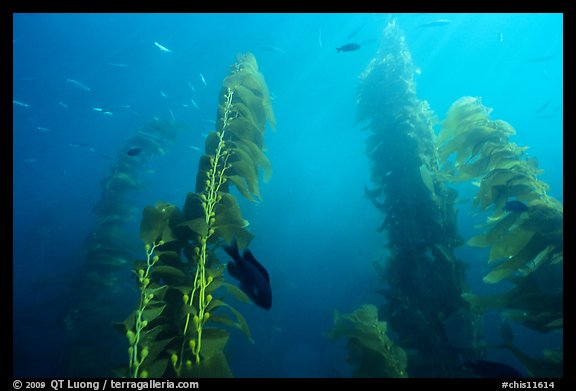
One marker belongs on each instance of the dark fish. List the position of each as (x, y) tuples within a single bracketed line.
[(254, 279), (134, 151), (436, 23), (349, 47), (491, 369), (515, 206)]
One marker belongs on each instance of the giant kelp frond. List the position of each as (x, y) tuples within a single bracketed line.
[(418, 211), (521, 242), (371, 351), (193, 308)]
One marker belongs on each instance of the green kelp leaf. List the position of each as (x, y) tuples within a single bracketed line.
[(147, 337), (154, 221), (244, 112), (157, 368), (192, 310), (233, 289), (168, 258), (215, 367), (242, 324), (258, 157), (160, 271), (513, 264), (247, 170), (545, 219), (501, 227), (152, 225), (167, 234), (510, 244), (479, 241), (236, 292), (223, 319), (537, 261), (370, 349), (227, 212), (229, 232), (252, 102), (211, 144), (204, 166), (193, 207), (240, 184), (498, 229), (151, 313), (244, 129), (555, 324), (198, 226), (127, 324), (154, 350), (504, 128), (216, 270), (213, 341), (159, 292)]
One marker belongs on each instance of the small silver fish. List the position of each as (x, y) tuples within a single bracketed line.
[(162, 48), (436, 23), (172, 115), (274, 49), (18, 103), (191, 87), (78, 84), (43, 129), (194, 103), (117, 65), (202, 78), (163, 94), (63, 104)]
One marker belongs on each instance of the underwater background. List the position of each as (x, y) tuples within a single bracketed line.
[(83, 84)]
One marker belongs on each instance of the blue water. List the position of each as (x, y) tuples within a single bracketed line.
[(315, 230)]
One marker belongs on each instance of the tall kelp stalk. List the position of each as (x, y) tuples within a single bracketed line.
[(179, 326), (423, 281), (524, 233), (101, 282)]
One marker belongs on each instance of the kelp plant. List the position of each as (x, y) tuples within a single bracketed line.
[(524, 233), (101, 282), (177, 327), (423, 281)]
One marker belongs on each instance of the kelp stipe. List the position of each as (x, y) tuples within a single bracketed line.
[(178, 328), (524, 233)]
